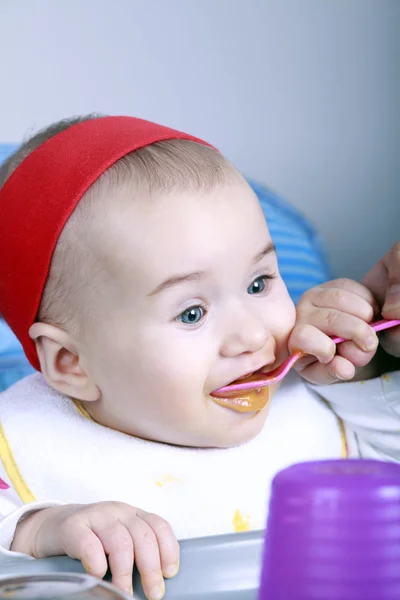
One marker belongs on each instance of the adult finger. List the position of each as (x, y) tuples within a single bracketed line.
[(383, 280), (339, 369), (391, 307), (354, 354), (311, 340), (336, 323), (354, 299), (390, 341)]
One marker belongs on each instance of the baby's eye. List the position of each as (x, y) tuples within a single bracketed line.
[(192, 315), (258, 285)]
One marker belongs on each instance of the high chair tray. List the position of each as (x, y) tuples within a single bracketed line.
[(214, 568)]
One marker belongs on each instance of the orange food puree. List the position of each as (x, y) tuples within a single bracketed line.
[(244, 400)]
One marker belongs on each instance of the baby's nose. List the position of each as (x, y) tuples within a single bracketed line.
[(248, 334)]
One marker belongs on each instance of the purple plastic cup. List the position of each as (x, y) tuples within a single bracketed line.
[(333, 532)]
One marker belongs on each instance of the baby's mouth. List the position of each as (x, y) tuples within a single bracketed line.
[(244, 401)]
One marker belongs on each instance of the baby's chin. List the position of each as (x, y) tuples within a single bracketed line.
[(243, 427), (225, 433), (240, 432)]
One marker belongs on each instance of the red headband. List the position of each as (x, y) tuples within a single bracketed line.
[(39, 197)]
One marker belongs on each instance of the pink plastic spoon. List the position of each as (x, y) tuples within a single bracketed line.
[(259, 380)]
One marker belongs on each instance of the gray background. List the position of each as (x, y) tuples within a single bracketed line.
[(303, 95)]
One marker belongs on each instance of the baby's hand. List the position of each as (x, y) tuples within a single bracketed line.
[(94, 532), (337, 308)]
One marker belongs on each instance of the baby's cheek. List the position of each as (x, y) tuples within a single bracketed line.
[(175, 387), (285, 312), (282, 325)]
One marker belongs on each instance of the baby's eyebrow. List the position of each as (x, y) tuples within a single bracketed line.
[(200, 275), (269, 249), (177, 279)]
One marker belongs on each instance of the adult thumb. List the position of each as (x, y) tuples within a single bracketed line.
[(391, 306), (383, 280)]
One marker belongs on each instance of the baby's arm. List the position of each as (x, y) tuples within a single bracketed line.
[(12, 513), (371, 411), (102, 535)]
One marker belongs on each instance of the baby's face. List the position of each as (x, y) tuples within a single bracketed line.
[(197, 302)]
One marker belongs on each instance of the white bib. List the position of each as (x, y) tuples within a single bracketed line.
[(63, 456)]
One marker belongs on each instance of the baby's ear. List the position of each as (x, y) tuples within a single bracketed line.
[(61, 363)]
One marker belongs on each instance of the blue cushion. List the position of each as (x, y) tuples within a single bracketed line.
[(300, 253), (301, 256), (6, 150), (13, 363)]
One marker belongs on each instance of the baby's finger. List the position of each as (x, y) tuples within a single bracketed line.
[(345, 292), (336, 323), (147, 558), (167, 542), (354, 354), (83, 544), (311, 340), (118, 544), (339, 369)]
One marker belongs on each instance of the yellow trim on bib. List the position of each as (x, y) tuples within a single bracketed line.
[(13, 472), (344, 447), (82, 410)]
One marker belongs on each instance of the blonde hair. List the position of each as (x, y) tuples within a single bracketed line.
[(77, 272)]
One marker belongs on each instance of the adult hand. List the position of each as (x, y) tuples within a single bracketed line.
[(383, 280)]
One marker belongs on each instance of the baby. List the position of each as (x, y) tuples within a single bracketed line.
[(139, 274)]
